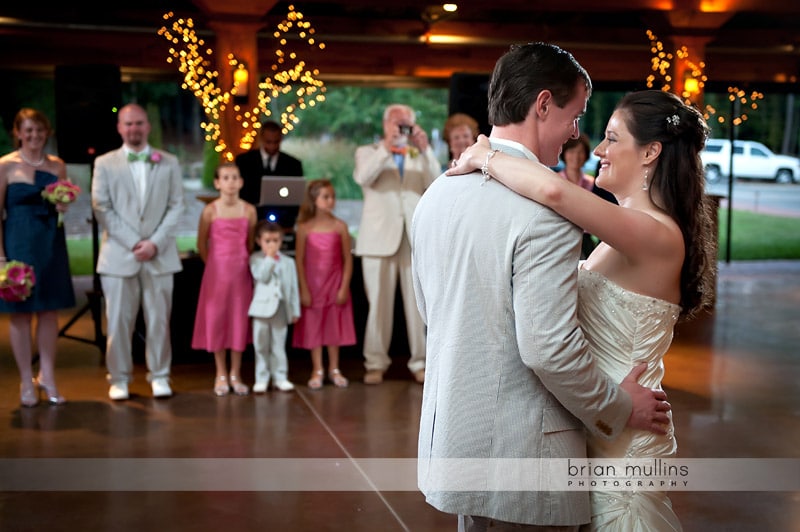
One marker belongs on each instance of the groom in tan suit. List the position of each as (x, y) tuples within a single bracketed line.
[(509, 375), (137, 197)]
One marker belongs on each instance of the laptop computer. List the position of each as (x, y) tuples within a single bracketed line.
[(282, 190), (283, 215), (280, 201)]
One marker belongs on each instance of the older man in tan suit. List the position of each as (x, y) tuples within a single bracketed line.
[(137, 197), (393, 174)]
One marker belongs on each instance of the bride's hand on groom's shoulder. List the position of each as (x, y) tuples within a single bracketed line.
[(472, 158)]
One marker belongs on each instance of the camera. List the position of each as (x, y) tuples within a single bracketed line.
[(405, 130)]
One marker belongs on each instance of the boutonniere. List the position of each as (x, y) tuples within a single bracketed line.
[(411, 151), (155, 158)]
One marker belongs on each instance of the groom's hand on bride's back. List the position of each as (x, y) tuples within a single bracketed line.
[(650, 406)]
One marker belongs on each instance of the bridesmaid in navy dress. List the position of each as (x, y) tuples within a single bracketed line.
[(29, 232)]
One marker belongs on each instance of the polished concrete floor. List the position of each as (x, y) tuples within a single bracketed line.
[(733, 378)]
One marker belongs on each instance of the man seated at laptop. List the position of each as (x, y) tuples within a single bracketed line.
[(265, 160)]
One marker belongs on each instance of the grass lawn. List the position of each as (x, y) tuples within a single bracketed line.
[(759, 237), (80, 252), (754, 237)]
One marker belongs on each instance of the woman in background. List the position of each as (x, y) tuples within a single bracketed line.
[(574, 154), (460, 132)]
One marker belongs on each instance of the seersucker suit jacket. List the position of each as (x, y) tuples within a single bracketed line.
[(124, 220), (508, 372)]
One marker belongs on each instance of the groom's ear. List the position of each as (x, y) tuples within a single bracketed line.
[(542, 103)]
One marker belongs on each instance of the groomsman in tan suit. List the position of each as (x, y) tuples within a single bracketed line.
[(393, 174), (137, 197)]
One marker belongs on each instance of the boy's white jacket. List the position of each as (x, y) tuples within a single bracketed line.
[(274, 281)]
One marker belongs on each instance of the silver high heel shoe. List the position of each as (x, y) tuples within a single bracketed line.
[(53, 397), (28, 395)]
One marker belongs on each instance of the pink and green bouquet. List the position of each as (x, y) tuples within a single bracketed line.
[(16, 281), (61, 192)]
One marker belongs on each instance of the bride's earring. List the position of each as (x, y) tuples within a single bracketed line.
[(644, 183)]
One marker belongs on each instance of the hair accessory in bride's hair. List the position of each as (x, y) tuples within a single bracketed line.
[(673, 120)]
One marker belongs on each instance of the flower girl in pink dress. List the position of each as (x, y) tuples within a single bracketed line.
[(324, 268), (224, 241)]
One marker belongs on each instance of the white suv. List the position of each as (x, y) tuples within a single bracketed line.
[(751, 160)]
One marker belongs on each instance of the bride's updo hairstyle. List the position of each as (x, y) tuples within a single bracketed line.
[(677, 183)]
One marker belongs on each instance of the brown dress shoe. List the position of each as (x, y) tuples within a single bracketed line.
[(419, 376), (373, 376)]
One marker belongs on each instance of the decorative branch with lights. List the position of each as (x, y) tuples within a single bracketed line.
[(694, 80), (288, 75), (198, 76), (746, 102), (661, 62)]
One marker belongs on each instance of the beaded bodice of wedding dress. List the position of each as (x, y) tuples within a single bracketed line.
[(624, 328)]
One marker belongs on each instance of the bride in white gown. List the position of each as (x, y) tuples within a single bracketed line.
[(654, 264), (624, 327)]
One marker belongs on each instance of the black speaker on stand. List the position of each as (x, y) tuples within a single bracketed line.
[(87, 100)]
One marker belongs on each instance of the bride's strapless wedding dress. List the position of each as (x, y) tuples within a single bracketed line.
[(624, 328)]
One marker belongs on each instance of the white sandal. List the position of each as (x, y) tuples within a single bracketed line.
[(315, 382), (221, 387), (338, 379), (239, 388)]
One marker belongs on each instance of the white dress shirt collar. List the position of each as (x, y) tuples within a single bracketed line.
[(514, 145), (269, 161)]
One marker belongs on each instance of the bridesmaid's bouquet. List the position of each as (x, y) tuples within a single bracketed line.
[(61, 192), (16, 281)]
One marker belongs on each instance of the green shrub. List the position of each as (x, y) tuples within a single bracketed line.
[(330, 159)]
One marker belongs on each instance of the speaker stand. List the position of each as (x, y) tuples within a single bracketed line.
[(94, 303)]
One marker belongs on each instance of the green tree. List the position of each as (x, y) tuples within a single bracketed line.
[(356, 113), (327, 135)]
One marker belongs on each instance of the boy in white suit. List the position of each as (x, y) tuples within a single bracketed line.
[(276, 304)]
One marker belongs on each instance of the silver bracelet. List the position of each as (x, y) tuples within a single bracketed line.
[(485, 167)]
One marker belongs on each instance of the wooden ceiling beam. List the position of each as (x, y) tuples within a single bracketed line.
[(366, 40)]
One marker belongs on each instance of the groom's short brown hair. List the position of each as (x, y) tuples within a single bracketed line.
[(526, 70)]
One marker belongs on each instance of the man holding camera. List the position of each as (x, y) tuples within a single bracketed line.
[(393, 174)]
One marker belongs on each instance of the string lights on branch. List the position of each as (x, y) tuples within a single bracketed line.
[(694, 81), (193, 60), (661, 62), (290, 87), (746, 102)]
